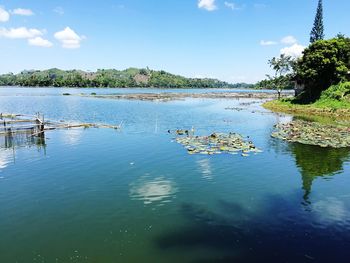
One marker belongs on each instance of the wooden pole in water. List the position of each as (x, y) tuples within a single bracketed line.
[(40, 125)]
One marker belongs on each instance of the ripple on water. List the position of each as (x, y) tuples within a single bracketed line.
[(205, 168), (5, 158), (153, 190)]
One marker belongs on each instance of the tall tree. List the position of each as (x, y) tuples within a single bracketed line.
[(317, 30), (324, 63), (283, 67)]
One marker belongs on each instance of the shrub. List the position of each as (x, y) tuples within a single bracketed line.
[(324, 63), (336, 92)]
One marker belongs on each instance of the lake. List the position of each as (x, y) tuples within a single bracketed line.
[(136, 195)]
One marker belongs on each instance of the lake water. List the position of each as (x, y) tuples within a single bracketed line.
[(135, 195)]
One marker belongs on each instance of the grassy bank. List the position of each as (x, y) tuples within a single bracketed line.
[(332, 109), (334, 102)]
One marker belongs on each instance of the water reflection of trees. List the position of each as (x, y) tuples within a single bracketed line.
[(315, 161), (312, 161)]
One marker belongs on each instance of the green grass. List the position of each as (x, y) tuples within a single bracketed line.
[(336, 97), (334, 102)]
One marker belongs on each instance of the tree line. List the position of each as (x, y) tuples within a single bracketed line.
[(131, 77)]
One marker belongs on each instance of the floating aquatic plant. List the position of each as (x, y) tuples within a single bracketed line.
[(313, 133), (218, 143)]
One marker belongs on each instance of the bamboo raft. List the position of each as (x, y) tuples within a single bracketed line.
[(16, 123), (35, 125)]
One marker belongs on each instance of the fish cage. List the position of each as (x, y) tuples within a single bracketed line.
[(11, 123), (21, 130)]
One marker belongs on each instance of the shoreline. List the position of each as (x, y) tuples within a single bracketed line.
[(308, 110), (180, 96)]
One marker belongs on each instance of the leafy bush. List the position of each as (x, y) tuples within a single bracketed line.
[(324, 63), (336, 92)]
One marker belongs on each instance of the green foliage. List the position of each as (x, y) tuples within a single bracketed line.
[(144, 71), (284, 70), (335, 97), (324, 63), (8, 79), (317, 32), (282, 65), (284, 82), (337, 92), (131, 77), (333, 101), (242, 86)]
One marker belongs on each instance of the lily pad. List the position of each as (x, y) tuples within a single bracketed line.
[(313, 133), (218, 143)]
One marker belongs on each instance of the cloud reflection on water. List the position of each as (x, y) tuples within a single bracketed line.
[(331, 210), (205, 168), (153, 190), (72, 136)]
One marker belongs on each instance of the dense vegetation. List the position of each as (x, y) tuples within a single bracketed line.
[(131, 77), (324, 63), (335, 97), (271, 83), (334, 102)]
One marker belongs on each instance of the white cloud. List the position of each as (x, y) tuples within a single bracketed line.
[(232, 6), (68, 38), (22, 12), (268, 43), (20, 32), (4, 15), (289, 40), (39, 42), (295, 51), (207, 5), (59, 10)]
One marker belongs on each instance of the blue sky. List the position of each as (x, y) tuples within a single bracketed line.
[(226, 39)]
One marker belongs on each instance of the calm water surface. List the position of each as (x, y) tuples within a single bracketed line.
[(135, 195)]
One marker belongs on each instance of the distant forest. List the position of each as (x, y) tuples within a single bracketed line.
[(131, 77)]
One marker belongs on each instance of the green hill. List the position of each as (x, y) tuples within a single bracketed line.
[(131, 77)]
